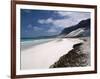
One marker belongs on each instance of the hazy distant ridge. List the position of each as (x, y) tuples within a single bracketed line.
[(81, 29)]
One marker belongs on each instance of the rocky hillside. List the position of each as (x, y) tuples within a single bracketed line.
[(79, 56), (79, 30)]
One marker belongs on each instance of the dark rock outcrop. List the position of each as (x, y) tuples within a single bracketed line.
[(74, 58)]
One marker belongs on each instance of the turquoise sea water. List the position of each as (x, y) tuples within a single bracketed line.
[(27, 43)]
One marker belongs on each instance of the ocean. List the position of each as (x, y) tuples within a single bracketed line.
[(27, 43)]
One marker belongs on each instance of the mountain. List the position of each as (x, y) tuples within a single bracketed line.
[(79, 30)]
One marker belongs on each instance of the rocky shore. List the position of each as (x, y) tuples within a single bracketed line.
[(79, 56)]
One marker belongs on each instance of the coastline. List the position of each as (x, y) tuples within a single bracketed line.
[(79, 56), (44, 55)]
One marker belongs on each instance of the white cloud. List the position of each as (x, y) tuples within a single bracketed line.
[(45, 21), (63, 13), (72, 14), (36, 28), (41, 21), (74, 18), (29, 26)]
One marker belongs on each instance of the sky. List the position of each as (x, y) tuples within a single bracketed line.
[(36, 23)]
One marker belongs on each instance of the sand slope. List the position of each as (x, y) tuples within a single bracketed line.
[(44, 55)]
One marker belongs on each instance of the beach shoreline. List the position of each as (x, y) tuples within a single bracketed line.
[(43, 55)]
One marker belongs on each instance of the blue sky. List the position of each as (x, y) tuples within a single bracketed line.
[(35, 23)]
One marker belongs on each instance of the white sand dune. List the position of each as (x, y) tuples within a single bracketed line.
[(44, 55)]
